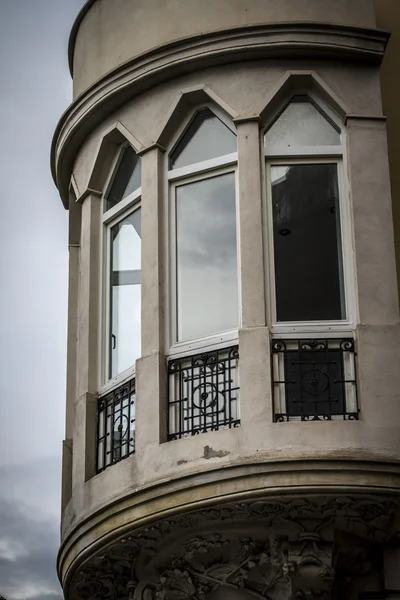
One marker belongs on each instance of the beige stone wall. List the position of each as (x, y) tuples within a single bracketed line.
[(388, 17), (258, 440), (112, 33)]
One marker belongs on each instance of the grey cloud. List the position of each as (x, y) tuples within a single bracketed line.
[(29, 532), (35, 90)]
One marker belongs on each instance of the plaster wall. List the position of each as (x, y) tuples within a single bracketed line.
[(388, 17), (184, 463), (112, 33)]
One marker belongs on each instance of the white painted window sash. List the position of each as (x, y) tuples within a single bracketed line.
[(319, 328), (202, 167), (107, 384), (303, 151), (216, 340), (122, 206)]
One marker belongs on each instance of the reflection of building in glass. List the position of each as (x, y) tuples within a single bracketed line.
[(232, 425)]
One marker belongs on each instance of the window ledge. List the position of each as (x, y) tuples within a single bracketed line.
[(117, 381), (214, 342)]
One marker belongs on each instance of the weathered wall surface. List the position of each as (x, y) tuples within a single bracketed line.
[(259, 440), (114, 32), (388, 17)]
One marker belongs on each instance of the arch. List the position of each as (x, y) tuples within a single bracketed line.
[(113, 138), (201, 141), (205, 137), (302, 123), (185, 104), (293, 83)]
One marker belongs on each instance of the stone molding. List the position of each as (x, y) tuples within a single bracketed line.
[(146, 505), (287, 40), (275, 549)]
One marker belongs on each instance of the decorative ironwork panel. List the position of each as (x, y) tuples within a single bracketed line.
[(116, 425), (203, 393), (314, 379)]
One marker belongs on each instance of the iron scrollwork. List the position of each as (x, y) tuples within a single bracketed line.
[(203, 393), (314, 380), (116, 425)]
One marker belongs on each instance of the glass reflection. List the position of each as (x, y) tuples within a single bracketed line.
[(127, 179), (207, 137), (301, 124), (125, 334), (307, 243), (206, 257)]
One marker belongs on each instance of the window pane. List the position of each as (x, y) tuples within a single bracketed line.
[(207, 288), (126, 180), (301, 124), (307, 246), (207, 137), (125, 294)]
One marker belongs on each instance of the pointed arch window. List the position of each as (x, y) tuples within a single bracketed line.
[(310, 274), (203, 246), (122, 266), (206, 138), (301, 124), (127, 178)]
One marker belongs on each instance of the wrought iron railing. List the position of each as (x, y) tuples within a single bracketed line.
[(203, 393), (314, 379), (116, 425)]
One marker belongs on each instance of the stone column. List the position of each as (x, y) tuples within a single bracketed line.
[(150, 368), (373, 222), (378, 331), (254, 343), (87, 379), (73, 286)]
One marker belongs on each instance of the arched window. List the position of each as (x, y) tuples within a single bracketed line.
[(122, 257), (202, 230), (308, 216), (203, 390), (311, 311)]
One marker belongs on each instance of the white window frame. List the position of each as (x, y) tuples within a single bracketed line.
[(110, 218), (174, 178), (309, 155)]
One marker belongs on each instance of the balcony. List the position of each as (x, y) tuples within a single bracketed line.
[(203, 393), (116, 425), (314, 380)]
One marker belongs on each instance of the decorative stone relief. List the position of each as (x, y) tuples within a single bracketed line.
[(272, 549), (210, 562)]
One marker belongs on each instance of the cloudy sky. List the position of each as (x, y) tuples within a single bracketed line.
[(35, 87)]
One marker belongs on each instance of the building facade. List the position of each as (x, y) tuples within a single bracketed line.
[(232, 415)]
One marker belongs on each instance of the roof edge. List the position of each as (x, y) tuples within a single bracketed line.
[(74, 32)]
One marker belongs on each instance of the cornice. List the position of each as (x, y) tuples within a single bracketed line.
[(285, 40)]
